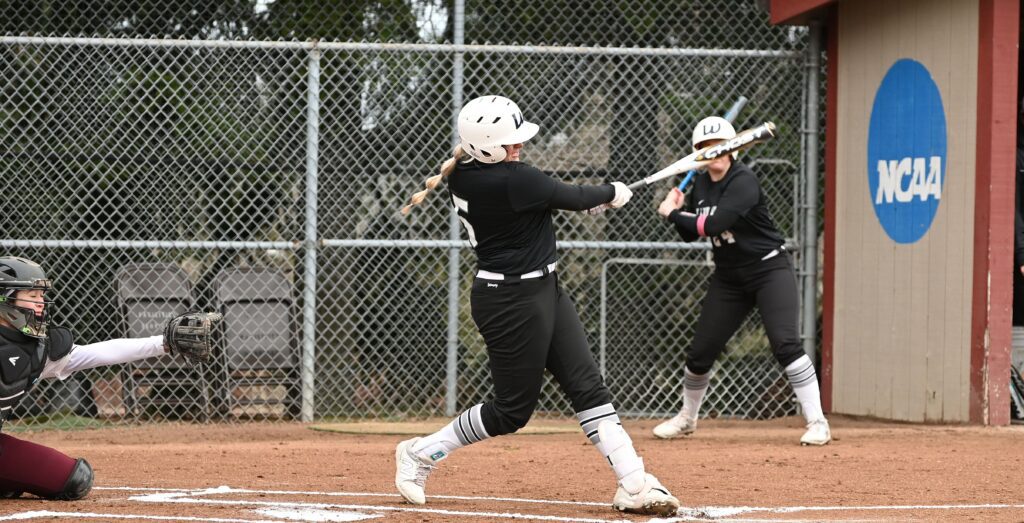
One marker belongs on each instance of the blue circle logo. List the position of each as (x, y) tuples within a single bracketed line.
[(907, 151)]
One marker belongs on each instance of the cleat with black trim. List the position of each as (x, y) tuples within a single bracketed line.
[(649, 498)]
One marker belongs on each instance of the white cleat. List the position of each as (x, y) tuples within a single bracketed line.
[(676, 427), (817, 433), (649, 499), (411, 473)]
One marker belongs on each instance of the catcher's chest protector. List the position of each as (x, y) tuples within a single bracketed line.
[(22, 359)]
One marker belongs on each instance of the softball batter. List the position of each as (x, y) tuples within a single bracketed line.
[(527, 321), (31, 349), (752, 268)]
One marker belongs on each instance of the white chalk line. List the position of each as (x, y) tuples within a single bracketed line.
[(311, 515), (726, 513), (23, 516), (192, 497), (173, 498), (361, 494), (36, 514), (729, 511), (708, 511)]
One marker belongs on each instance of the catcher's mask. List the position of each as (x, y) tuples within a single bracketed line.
[(19, 274)]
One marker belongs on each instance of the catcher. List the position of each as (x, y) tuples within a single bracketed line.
[(31, 349)]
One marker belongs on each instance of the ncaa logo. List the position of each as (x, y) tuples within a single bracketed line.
[(907, 151)]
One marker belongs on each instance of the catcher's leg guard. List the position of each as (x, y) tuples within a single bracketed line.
[(79, 483)]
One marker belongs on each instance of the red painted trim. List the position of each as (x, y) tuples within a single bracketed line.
[(829, 276), (993, 211), (794, 12)]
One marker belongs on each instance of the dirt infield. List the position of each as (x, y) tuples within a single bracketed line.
[(729, 470)]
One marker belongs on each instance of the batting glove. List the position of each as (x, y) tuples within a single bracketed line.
[(622, 195)]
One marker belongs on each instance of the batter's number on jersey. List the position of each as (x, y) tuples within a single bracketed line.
[(462, 207), (725, 237)]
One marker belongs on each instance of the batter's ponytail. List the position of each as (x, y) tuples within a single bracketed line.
[(446, 168)]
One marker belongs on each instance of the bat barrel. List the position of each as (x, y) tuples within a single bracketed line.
[(740, 142)]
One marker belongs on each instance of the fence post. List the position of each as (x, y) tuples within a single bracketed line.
[(308, 369), (454, 254), (809, 242)]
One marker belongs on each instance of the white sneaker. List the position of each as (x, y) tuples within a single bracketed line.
[(411, 473), (676, 427), (651, 499), (817, 433)]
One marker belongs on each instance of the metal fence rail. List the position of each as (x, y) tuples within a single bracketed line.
[(242, 164)]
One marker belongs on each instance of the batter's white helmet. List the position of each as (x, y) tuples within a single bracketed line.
[(712, 128), (489, 122)]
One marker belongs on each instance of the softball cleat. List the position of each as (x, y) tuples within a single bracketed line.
[(411, 473), (676, 427), (651, 498), (817, 433)]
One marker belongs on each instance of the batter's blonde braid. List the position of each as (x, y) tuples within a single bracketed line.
[(446, 168)]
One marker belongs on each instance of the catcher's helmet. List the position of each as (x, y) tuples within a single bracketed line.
[(18, 274), (489, 122)]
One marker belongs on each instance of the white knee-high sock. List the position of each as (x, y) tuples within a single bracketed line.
[(694, 388), (805, 384), (465, 429), (601, 424)]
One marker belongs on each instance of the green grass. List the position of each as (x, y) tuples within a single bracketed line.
[(55, 422)]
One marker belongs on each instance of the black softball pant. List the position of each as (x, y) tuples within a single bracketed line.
[(528, 326), (770, 285)]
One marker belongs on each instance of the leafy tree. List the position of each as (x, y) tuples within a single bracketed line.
[(128, 18)]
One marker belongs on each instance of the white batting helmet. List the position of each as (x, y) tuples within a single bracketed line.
[(712, 128), (489, 122)]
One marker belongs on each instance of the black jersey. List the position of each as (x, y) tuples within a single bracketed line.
[(22, 359), (733, 213), (506, 210)]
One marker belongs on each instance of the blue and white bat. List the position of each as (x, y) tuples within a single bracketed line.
[(730, 116)]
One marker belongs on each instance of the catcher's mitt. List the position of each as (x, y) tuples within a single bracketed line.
[(193, 335)]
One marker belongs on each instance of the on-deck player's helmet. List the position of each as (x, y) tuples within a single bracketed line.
[(18, 274), (489, 122), (712, 128)]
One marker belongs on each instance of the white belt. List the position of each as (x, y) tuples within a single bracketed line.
[(773, 254), (488, 275)]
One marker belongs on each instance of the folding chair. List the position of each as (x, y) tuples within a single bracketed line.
[(149, 294), (259, 340)]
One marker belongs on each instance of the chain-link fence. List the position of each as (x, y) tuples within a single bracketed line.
[(263, 179)]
